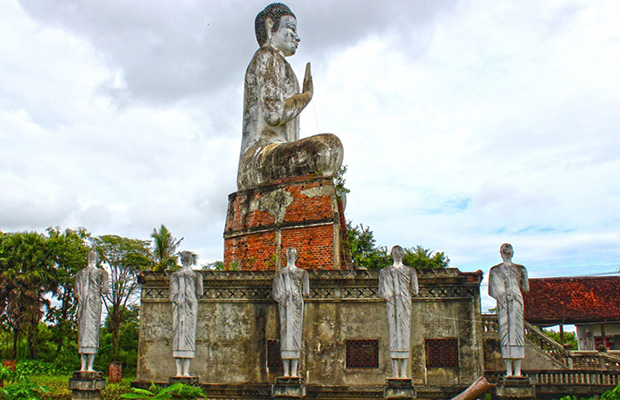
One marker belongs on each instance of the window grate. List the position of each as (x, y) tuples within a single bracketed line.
[(274, 359), (362, 353), (442, 353)]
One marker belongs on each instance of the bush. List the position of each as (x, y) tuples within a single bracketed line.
[(35, 367), (19, 387), (176, 391)]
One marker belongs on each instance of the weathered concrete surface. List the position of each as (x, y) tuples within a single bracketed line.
[(237, 316), (86, 385), (516, 388)]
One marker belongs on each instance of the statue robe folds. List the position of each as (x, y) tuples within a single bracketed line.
[(185, 287), (505, 285), (396, 286), (270, 145), (289, 288), (90, 284)]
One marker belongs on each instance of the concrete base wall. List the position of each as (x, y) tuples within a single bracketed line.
[(237, 317)]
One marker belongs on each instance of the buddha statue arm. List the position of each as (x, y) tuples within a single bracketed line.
[(276, 110)]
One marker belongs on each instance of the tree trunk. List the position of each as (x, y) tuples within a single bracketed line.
[(116, 325), (32, 344), (15, 336), (62, 324)]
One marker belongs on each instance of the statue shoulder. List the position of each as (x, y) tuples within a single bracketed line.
[(266, 55), (495, 269)]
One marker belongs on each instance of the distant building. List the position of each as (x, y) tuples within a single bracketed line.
[(592, 304)]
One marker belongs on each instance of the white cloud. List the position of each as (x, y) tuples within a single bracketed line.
[(465, 125)]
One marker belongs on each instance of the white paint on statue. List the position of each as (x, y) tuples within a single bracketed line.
[(185, 287), (270, 145), (91, 283), (290, 286), (507, 281), (397, 283)]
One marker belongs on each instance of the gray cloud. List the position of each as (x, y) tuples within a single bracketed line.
[(170, 51)]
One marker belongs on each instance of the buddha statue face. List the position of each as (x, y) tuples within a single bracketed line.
[(285, 39)]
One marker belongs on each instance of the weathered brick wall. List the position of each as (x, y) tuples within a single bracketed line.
[(302, 212)]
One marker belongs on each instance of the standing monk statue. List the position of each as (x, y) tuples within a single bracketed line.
[(290, 286), (91, 283), (185, 287), (397, 283), (506, 282), (270, 145)]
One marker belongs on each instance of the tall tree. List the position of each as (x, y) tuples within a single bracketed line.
[(69, 251), (420, 258), (125, 258), (165, 246), (26, 275), (365, 253)]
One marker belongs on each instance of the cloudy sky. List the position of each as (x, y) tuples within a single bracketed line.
[(465, 124)]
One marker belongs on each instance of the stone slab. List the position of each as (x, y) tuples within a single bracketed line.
[(520, 388), (399, 389), (186, 380), (86, 385), (288, 388)]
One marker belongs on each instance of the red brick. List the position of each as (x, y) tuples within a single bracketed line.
[(308, 223)]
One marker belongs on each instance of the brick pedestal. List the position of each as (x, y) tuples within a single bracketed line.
[(302, 212)]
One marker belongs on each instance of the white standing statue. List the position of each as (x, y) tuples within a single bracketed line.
[(90, 285), (506, 282), (185, 287), (397, 283), (290, 286)]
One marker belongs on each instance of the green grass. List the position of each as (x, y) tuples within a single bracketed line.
[(58, 386)]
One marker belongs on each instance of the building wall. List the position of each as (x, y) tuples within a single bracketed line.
[(590, 336), (237, 319)]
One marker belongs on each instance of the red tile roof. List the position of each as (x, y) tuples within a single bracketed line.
[(573, 300)]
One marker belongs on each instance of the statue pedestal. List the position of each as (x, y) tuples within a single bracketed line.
[(301, 212), (186, 380), (520, 388), (288, 388), (86, 385), (396, 388)]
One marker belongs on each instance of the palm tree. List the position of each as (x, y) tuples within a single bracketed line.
[(165, 246), (26, 275)]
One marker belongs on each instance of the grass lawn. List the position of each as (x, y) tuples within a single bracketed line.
[(58, 387)]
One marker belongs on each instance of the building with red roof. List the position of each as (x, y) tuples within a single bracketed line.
[(592, 304)]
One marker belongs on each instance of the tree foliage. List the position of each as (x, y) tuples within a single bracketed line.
[(365, 253), (69, 252), (125, 258), (26, 274), (165, 255), (37, 267)]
